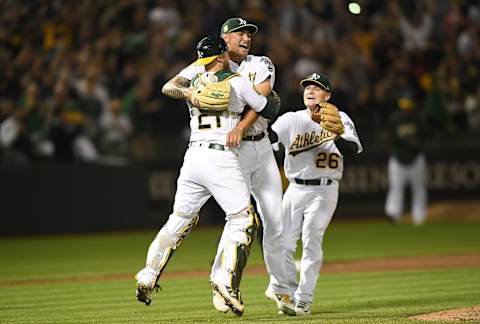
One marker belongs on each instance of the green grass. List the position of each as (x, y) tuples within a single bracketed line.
[(370, 297)]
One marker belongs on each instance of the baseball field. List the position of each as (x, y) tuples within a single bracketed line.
[(374, 272)]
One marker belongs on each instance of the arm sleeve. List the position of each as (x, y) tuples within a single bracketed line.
[(273, 106), (350, 133)]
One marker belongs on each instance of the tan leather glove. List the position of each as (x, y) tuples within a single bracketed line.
[(213, 96), (327, 115)]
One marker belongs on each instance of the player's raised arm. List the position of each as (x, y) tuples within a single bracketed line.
[(177, 87)]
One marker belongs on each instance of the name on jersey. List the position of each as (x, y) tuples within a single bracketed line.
[(307, 141)]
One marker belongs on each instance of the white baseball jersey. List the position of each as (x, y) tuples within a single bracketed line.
[(308, 207), (310, 152), (209, 169), (256, 69), (208, 126)]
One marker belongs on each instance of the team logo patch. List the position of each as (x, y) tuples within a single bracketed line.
[(268, 63)]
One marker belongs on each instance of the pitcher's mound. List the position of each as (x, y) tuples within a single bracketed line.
[(453, 315)]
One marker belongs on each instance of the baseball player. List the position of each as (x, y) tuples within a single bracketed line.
[(407, 163), (255, 155), (210, 168), (313, 165)]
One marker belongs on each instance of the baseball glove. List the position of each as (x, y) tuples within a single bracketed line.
[(213, 96), (328, 117)]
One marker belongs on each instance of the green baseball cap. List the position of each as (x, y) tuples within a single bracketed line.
[(236, 24), (319, 79)]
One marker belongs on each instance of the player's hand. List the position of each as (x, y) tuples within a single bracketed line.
[(234, 137), (328, 117)]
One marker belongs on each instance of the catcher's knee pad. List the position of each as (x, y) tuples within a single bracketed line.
[(178, 226), (242, 229)]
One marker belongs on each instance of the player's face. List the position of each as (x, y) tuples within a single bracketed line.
[(314, 94), (238, 43)]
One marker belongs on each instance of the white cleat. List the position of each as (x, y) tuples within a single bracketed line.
[(303, 307), (219, 303), (283, 301), (231, 297)]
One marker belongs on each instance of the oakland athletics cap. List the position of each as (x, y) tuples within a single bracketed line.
[(208, 48), (319, 79), (236, 24)]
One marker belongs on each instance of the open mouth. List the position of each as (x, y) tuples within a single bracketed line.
[(243, 46)]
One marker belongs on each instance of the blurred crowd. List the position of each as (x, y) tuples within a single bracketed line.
[(80, 81)]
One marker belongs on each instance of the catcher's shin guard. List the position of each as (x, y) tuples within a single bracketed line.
[(171, 235), (237, 249)]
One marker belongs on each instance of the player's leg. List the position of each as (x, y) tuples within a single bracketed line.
[(317, 216), (419, 190), (267, 191), (395, 196), (247, 160), (228, 187), (189, 198), (293, 205)]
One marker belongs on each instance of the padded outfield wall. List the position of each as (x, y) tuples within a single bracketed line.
[(55, 198)]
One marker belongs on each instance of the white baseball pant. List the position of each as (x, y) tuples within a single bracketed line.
[(399, 175), (262, 176), (308, 209), (205, 172)]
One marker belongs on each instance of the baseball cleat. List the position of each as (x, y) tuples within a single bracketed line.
[(219, 303), (143, 294), (283, 301), (303, 307), (231, 297), (146, 285)]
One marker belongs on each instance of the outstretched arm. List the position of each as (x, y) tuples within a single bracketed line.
[(177, 88)]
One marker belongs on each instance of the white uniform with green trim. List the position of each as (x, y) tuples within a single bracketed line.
[(261, 172), (313, 165), (210, 169)]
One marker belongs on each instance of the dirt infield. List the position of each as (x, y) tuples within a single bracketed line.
[(390, 264), (452, 315)]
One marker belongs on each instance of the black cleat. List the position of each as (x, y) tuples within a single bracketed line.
[(143, 294)]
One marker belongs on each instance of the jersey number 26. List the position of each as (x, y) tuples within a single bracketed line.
[(325, 160)]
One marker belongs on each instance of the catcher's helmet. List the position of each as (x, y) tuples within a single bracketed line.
[(208, 48)]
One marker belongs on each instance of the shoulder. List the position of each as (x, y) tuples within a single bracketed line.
[(290, 117), (344, 116), (261, 60), (346, 120), (191, 71)]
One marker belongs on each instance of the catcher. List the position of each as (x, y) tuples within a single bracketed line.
[(315, 140), (211, 168)]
